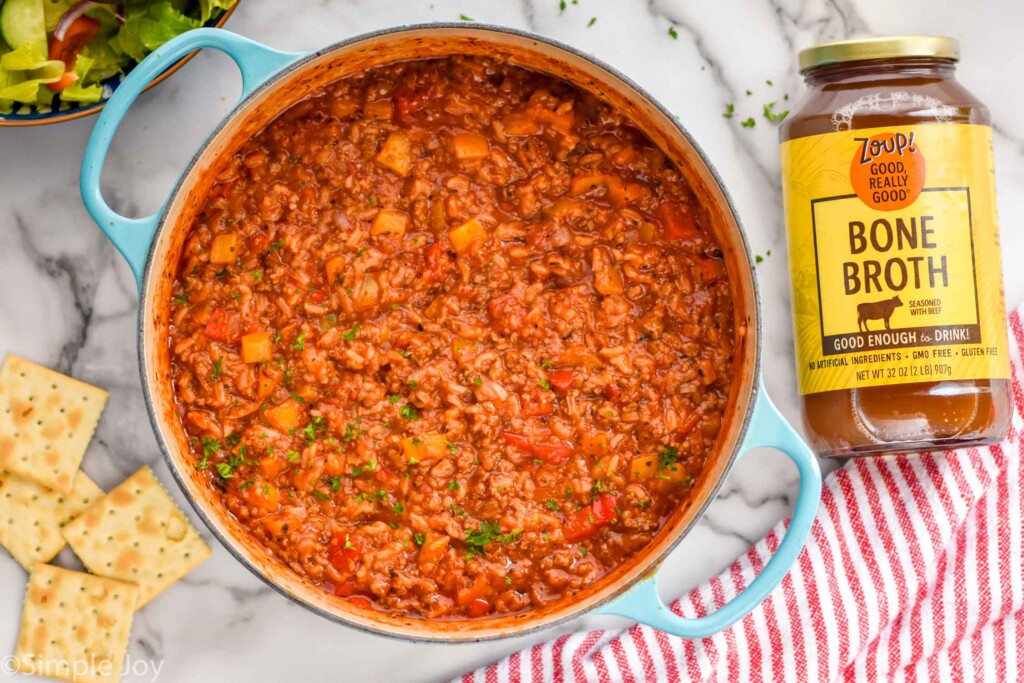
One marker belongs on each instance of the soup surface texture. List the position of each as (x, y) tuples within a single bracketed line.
[(451, 338)]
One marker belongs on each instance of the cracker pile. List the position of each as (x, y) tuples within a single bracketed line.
[(134, 540)]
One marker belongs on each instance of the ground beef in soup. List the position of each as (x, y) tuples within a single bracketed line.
[(451, 338)]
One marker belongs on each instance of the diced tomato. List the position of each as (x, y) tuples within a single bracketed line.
[(409, 100), (388, 479), (709, 269), (677, 221), (343, 550), (611, 392), (587, 521), (538, 402), (560, 380), (479, 607), (434, 261), (552, 453), (224, 326), (506, 313), (81, 31)]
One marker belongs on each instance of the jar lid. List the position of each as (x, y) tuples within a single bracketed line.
[(879, 48)]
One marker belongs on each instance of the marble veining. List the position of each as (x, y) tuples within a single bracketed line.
[(68, 300)]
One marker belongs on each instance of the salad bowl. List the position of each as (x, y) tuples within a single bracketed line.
[(23, 115)]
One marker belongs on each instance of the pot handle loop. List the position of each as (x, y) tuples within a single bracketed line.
[(767, 428), (133, 236)]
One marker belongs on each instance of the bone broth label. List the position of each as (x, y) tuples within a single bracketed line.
[(894, 253)]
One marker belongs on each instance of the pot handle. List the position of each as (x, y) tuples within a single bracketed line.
[(133, 236), (767, 428)]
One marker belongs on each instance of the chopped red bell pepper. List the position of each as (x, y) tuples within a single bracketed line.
[(343, 551), (81, 31), (587, 521), (517, 440), (551, 452)]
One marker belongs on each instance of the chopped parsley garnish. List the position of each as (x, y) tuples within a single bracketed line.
[(274, 246), (398, 508), (293, 456), (749, 123), (321, 495), (210, 448), (452, 448), (552, 504), (511, 537), (544, 365), (316, 428), (225, 470), (335, 482), (218, 367), (418, 539), (351, 334), (413, 384), (257, 275), (730, 110), (453, 485), (772, 115), (180, 300), (543, 384), (408, 412), (477, 381), (394, 398), (486, 533), (370, 467), (668, 457), (246, 485), (300, 342)]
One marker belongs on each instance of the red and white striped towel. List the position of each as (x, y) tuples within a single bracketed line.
[(914, 570)]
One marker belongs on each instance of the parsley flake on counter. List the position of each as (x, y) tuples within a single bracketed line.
[(673, 32), (749, 123), (730, 110), (593, 20), (463, 17), (772, 115)]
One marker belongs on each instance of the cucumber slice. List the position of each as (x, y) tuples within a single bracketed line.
[(23, 21)]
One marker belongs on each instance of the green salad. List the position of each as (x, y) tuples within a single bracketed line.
[(57, 53)]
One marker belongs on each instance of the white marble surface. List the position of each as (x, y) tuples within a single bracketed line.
[(68, 300)]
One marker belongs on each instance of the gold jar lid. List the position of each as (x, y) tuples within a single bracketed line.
[(879, 48)]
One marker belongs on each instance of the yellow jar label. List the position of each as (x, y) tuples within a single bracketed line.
[(894, 256)]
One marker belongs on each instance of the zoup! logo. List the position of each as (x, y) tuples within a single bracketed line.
[(888, 171)]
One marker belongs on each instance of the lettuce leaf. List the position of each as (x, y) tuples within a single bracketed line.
[(208, 7), (81, 91), (22, 71), (147, 26)]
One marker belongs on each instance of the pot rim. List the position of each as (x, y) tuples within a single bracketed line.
[(569, 613)]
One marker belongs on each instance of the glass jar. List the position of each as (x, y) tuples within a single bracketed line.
[(889, 192)]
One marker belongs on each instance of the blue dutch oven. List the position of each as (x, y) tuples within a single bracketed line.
[(271, 82)]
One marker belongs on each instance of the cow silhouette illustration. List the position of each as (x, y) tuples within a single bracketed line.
[(876, 310)]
